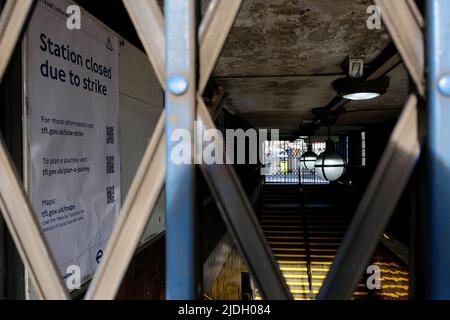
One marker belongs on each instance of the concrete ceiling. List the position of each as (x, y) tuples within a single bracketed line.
[(282, 56), (280, 102)]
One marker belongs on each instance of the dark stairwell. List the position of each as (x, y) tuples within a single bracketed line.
[(305, 225)]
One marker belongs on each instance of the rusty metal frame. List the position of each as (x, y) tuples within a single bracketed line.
[(210, 45), (15, 205), (376, 207), (436, 229), (149, 180), (182, 237), (12, 21), (394, 170), (151, 32), (405, 25), (221, 13), (144, 191)]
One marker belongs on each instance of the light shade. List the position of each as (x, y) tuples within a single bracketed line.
[(330, 165), (308, 159), (360, 89), (362, 96)]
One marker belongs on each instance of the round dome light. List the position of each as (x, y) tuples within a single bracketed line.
[(362, 96), (330, 165), (308, 159), (360, 89)]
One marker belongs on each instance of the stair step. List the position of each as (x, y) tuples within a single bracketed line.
[(306, 240)]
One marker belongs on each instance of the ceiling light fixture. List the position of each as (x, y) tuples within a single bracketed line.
[(330, 165), (308, 159), (360, 89), (362, 96)]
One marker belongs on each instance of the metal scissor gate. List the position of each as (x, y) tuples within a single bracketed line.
[(174, 44), (283, 164)]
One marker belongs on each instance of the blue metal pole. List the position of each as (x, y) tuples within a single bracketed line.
[(438, 150), (180, 101)]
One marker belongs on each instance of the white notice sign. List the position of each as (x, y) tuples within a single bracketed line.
[(72, 87)]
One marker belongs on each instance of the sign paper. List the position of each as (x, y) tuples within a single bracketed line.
[(72, 92)]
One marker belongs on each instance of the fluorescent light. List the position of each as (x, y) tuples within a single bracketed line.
[(361, 95)]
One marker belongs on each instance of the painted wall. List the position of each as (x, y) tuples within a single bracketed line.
[(140, 105)]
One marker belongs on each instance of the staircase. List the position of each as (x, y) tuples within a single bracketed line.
[(305, 238)]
